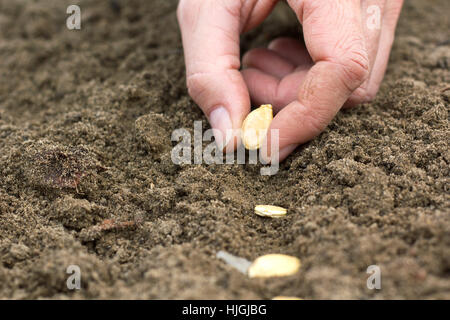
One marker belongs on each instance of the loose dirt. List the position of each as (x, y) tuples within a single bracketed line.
[(86, 176)]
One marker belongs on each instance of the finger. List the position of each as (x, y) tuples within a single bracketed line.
[(334, 38), (255, 12), (261, 86), (372, 13), (265, 88), (392, 11), (292, 50), (268, 62), (210, 33)]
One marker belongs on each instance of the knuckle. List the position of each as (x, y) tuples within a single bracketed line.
[(316, 119), (355, 68), (318, 123), (233, 7), (196, 85)]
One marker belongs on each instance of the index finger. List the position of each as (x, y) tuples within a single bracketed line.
[(210, 33)]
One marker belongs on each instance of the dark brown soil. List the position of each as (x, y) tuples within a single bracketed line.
[(86, 177)]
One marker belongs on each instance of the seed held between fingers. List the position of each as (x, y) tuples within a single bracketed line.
[(255, 126), (274, 265)]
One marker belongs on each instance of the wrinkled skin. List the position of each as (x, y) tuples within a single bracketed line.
[(340, 64)]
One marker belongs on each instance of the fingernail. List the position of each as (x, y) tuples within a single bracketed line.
[(220, 119), (283, 153), (286, 151)]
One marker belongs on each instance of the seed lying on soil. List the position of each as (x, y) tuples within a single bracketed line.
[(274, 265), (255, 126), (270, 211), (286, 298)]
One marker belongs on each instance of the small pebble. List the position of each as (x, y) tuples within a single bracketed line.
[(240, 264)]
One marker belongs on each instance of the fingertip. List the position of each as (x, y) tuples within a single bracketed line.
[(292, 50), (276, 156), (281, 43), (286, 151), (247, 58), (268, 61), (262, 87), (220, 121), (296, 124)]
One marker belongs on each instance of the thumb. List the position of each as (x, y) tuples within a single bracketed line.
[(334, 37)]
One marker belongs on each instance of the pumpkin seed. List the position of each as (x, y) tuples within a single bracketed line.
[(274, 265), (270, 211), (255, 126)]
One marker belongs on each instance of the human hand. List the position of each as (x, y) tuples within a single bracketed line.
[(342, 62)]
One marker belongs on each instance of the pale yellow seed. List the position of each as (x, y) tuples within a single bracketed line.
[(270, 211), (274, 265), (286, 298), (255, 126)]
